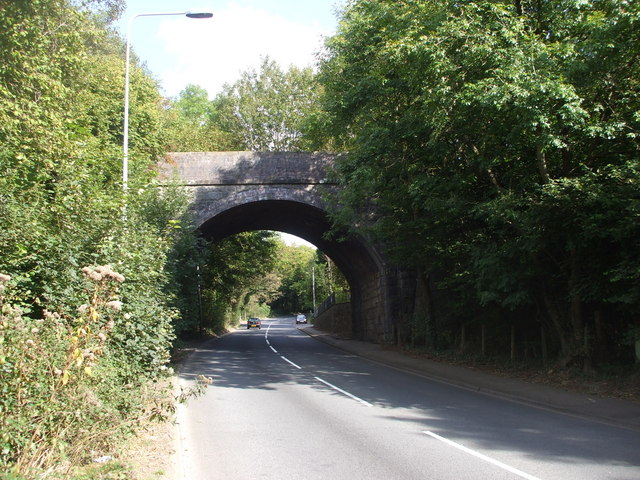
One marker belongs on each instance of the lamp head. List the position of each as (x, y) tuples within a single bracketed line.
[(192, 14)]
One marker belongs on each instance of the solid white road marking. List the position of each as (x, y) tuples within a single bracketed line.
[(344, 393), (479, 455), (274, 350), (289, 361)]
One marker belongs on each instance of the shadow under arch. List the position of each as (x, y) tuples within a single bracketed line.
[(358, 261)]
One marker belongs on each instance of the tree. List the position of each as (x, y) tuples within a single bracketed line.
[(192, 124), (237, 272), (483, 136), (295, 267), (193, 104), (266, 110)]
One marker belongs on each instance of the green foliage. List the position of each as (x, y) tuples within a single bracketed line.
[(58, 376), (498, 143), (268, 110), (294, 267), (236, 280), (329, 280), (61, 207), (192, 123), (193, 104), (302, 269), (255, 274)]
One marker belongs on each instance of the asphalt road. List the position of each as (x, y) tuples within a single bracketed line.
[(284, 406)]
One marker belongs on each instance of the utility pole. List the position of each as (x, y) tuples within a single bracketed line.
[(313, 287)]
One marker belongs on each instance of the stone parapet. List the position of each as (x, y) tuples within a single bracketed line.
[(248, 168)]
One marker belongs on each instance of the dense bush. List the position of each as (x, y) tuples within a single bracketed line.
[(77, 345), (60, 374)]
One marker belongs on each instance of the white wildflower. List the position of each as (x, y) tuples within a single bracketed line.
[(115, 305)]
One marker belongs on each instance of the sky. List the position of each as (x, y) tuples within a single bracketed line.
[(211, 52)]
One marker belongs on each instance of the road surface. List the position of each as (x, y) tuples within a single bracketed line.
[(284, 406)]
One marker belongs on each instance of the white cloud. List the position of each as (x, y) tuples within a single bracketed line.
[(212, 52)]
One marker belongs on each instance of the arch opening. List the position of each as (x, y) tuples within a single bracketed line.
[(302, 220), (352, 256)]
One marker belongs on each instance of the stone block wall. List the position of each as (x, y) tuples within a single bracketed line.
[(336, 319)]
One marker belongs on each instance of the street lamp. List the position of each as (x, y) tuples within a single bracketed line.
[(125, 138), (313, 287)]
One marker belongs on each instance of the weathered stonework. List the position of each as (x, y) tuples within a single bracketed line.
[(233, 192)]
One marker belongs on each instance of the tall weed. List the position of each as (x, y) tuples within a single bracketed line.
[(66, 392)]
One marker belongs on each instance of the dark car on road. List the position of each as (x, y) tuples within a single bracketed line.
[(254, 323)]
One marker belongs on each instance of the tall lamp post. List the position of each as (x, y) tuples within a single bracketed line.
[(125, 138), (313, 287)]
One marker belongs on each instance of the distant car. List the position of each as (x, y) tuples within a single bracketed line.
[(301, 319), (254, 323)]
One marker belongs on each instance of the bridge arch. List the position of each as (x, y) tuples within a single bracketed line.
[(233, 192)]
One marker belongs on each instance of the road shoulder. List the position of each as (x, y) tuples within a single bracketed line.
[(611, 411)]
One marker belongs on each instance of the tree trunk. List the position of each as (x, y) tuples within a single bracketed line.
[(543, 344), (463, 338), (513, 343), (559, 326), (541, 159), (600, 350), (577, 320), (518, 4), (432, 327), (587, 366), (423, 307)]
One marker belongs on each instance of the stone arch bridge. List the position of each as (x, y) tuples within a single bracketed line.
[(233, 192)]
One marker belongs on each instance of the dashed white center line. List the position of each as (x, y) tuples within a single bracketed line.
[(479, 455), (290, 362), (337, 389)]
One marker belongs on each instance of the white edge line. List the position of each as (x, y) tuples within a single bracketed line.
[(274, 350), (482, 457), (289, 361), (344, 393)]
